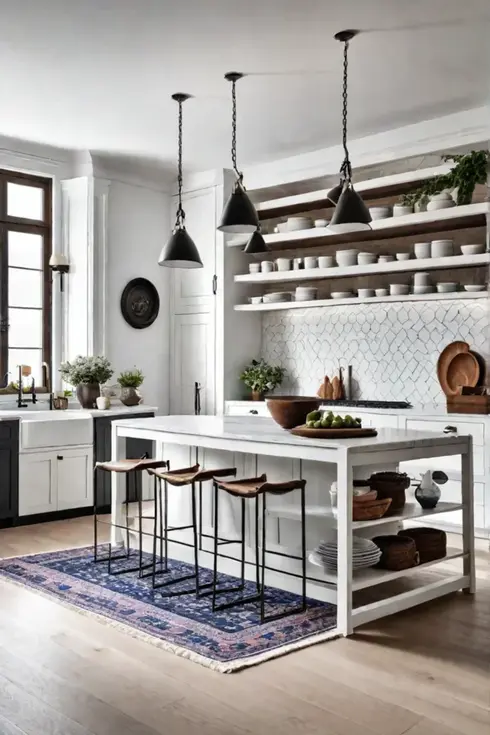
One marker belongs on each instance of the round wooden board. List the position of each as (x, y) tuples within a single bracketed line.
[(353, 433)]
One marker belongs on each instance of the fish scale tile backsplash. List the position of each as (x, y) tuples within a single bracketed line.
[(393, 347)]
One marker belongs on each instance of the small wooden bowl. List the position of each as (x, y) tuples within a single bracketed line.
[(370, 511)]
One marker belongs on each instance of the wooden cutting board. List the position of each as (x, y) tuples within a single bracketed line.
[(351, 433), (463, 370), (448, 353)]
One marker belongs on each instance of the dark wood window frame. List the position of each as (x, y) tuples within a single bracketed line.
[(42, 227)]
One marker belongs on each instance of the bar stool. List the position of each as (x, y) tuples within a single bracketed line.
[(251, 489), (127, 467), (188, 476)]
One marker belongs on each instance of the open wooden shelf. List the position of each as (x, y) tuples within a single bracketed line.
[(396, 266), (355, 300), (377, 188), (417, 223)]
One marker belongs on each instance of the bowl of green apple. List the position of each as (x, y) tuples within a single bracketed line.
[(325, 424)]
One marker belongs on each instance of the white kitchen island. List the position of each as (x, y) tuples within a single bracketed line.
[(256, 445)]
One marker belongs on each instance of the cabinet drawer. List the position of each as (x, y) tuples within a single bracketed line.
[(247, 409), (477, 431)]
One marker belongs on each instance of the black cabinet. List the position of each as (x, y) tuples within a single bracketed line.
[(102, 453), (9, 469)]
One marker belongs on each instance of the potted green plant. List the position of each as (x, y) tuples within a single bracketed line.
[(261, 378), (86, 374), (130, 381)]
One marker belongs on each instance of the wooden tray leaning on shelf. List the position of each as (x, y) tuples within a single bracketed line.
[(353, 433)]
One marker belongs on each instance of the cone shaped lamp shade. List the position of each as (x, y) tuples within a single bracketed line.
[(239, 214), (351, 214), (256, 244), (180, 251), (334, 194)]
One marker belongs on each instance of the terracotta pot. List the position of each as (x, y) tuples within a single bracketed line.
[(291, 411), (87, 394), (257, 395), (130, 396)]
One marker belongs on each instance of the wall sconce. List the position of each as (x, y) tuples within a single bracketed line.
[(59, 263)]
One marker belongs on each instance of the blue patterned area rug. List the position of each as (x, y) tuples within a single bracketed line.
[(225, 641)]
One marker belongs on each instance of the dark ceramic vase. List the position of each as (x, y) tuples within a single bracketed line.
[(130, 396), (87, 393), (427, 499)]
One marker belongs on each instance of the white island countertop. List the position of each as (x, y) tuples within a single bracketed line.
[(238, 433)]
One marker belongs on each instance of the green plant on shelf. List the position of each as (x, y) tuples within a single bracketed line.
[(131, 378), (89, 370), (261, 377), (469, 170)]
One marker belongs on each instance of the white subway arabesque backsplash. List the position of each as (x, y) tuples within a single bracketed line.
[(393, 347)]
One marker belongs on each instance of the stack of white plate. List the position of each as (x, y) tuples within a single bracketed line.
[(299, 223), (277, 297), (365, 553)]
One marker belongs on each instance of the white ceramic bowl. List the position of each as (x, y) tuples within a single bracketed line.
[(311, 261), (421, 279), (276, 297), (256, 299), (421, 289), (422, 249), (282, 227), (298, 264), (346, 258), (321, 223), (380, 212), (254, 268), (305, 293), (399, 289), (441, 248), (443, 200), (381, 292), (399, 210), (267, 266), (403, 256), (342, 294), (367, 258), (283, 264), (299, 223), (365, 293), (386, 258), (474, 288), (446, 287), (326, 261), (473, 249)]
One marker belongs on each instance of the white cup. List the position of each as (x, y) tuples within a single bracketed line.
[(326, 261), (283, 264), (421, 279), (103, 403), (297, 264), (267, 266), (422, 249), (254, 267), (311, 261)]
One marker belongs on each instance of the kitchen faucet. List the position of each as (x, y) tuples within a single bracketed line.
[(20, 401)]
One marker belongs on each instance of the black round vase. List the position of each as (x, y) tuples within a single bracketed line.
[(87, 394)]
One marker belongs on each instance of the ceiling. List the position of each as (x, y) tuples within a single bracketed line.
[(98, 74)]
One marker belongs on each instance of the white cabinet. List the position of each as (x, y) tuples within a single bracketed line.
[(193, 287), (193, 361), (55, 480)]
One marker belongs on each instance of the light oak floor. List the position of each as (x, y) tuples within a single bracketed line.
[(424, 672)]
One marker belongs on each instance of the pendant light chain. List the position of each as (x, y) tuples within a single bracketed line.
[(180, 211), (233, 131), (346, 168)]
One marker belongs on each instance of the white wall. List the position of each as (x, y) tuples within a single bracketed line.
[(138, 226)]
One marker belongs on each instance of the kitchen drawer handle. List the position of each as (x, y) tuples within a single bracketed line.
[(254, 411), (59, 456), (450, 429)]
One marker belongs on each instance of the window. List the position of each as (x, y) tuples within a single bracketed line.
[(25, 280)]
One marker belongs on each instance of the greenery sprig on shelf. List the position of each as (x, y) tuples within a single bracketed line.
[(131, 378), (261, 377), (470, 169)]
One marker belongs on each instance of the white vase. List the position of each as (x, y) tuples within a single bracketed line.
[(103, 403)]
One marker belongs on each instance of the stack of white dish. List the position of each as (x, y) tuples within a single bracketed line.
[(341, 294), (386, 258), (473, 287), (365, 293), (305, 293), (443, 200), (321, 223), (441, 248), (346, 258), (365, 553), (299, 223), (277, 297), (477, 249), (399, 289), (326, 261), (380, 212), (283, 264), (421, 283), (447, 287), (367, 258)]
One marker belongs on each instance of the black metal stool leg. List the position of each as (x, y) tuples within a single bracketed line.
[(303, 544), (262, 584), (257, 566), (96, 543), (215, 546)]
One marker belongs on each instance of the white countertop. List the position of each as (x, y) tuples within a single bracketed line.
[(43, 414), (259, 430)]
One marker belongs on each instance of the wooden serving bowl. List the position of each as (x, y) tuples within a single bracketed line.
[(291, 411)]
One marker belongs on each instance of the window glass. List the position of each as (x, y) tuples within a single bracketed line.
[(26, 202)]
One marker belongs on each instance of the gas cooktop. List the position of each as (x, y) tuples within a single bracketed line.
[(369, 404)]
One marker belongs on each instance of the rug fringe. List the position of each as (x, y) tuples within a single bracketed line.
[(222, 667)]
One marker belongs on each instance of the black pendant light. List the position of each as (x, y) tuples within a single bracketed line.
[(180, 250), (239, 214), (350, 212), (256, 245)]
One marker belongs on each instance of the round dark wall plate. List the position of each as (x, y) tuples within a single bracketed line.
[(140, 303)]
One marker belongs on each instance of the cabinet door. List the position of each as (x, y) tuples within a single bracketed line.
[(193, 287), (193, 360), (9, 469), (37, 483), (74, 478)]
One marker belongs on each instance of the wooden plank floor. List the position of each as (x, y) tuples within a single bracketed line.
[(424, 672)]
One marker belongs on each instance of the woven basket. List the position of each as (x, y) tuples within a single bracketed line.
[(369, 511), (431, 543), (391, 485), (398, 552)]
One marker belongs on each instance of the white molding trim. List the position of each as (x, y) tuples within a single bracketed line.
[(101, 237)]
